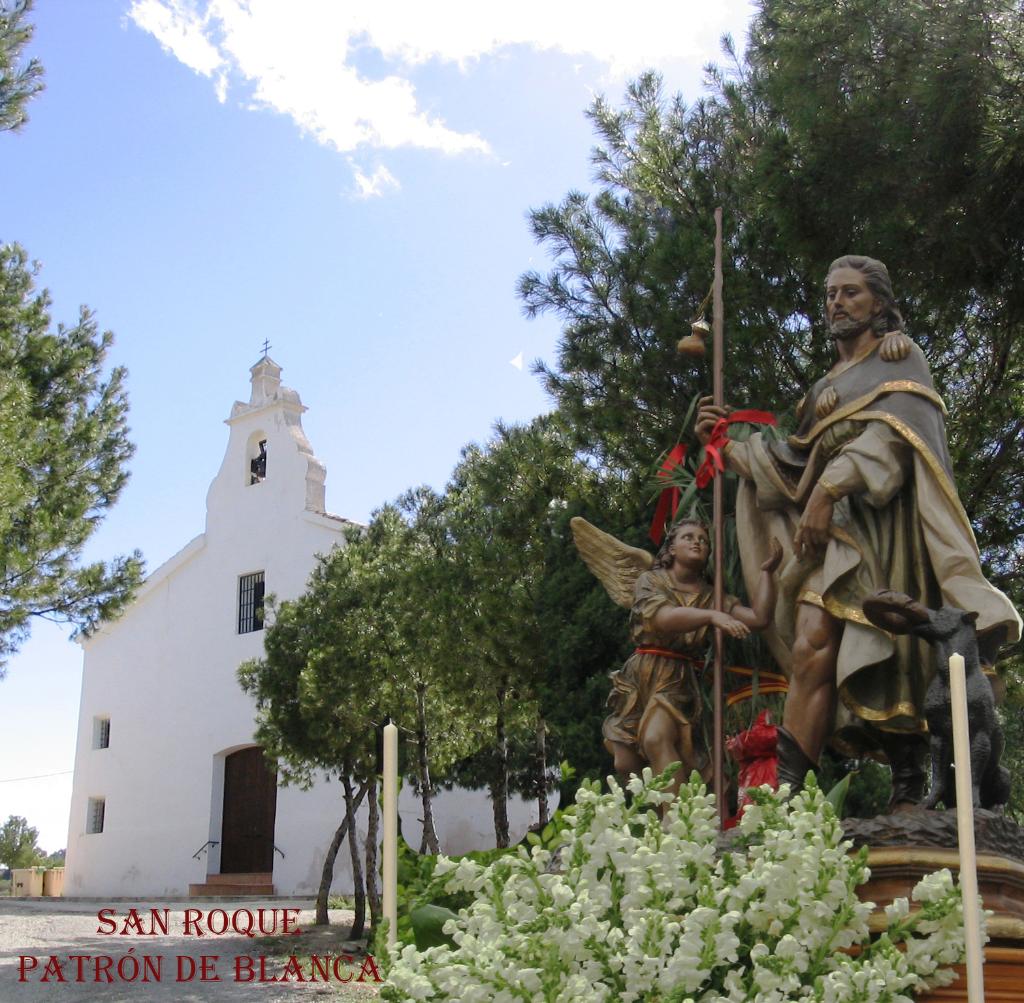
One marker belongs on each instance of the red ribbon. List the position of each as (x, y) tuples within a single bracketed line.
[(713, 463), (668, 500), (676, 656)]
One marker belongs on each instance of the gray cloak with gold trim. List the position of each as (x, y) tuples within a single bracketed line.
[(899, 526)]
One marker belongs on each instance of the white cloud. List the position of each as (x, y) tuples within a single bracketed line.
[(180, 30), (300, 57), (651, 33), (375, 184), (297, 59)]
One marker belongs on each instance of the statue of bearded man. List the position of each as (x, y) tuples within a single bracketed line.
[(863, 498)]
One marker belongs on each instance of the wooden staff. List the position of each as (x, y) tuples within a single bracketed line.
[(693, 345), (718, 504)]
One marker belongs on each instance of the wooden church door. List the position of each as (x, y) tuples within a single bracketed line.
[(250, 807)]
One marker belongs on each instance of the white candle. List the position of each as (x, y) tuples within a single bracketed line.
[(965, 829), (390, 869)]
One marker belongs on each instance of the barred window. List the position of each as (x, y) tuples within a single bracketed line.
[(250, 602), (101, 732), (94, 815)]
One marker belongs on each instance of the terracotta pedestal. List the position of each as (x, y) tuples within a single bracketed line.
[(1004, 979), (895, 871)]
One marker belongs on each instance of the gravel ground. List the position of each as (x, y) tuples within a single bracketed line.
[(42, 928)]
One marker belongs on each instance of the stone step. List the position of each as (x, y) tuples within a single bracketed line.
[(225, 890), (258, 883), (241, 878)]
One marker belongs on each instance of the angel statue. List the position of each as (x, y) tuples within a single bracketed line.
[(655, 701)]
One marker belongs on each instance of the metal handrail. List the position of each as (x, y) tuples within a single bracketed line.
[(209, 842)]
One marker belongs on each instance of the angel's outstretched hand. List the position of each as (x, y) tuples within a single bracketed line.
[(730, 625)]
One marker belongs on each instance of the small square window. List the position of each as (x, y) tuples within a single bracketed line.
[(250, 602), (95, 815), (101, 732)]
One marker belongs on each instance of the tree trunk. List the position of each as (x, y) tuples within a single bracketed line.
[(372, 890), (358, 889), (542, 773), (499, 785), (327, 874), (428, 842)]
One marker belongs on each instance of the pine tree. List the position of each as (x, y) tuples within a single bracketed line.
[(18, 83), (63, 432), (886, 129), (63, 452), (18, 843)]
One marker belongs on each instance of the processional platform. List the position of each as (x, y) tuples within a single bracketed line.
[(904, 847)]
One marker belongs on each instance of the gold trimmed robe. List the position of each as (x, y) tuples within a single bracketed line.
[(900, 525)]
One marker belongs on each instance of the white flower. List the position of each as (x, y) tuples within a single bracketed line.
[(933, 886), (897, 910), (645, 910)]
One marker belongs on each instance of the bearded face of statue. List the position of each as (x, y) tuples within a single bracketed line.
[(850, 306)]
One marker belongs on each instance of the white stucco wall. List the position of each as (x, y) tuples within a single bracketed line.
[(165, 676)]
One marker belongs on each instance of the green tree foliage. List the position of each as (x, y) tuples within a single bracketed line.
[(412, 590), (632, 266), (1012, 714), (885, 129), (506, 501), (62, 465), (56, 859), (19, 82), (18, 843), (586, 635), (316, 709), (360, 644), (922, 98), (880, 128), (63, 434), (447, 613)]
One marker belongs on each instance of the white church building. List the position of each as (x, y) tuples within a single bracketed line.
[(170, 791)]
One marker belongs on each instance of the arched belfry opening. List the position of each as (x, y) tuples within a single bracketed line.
[(256, 458)]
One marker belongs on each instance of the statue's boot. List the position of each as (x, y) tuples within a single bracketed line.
[(907, 757), (793, 762)]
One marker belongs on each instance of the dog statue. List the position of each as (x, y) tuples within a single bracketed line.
[(950, 631)]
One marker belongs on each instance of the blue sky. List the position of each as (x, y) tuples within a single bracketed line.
[(349, 181)]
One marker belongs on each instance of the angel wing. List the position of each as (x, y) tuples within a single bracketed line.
[(615, 564)]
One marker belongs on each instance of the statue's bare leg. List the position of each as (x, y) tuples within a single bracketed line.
[(810, 703), (627, 759), (665, 743)]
